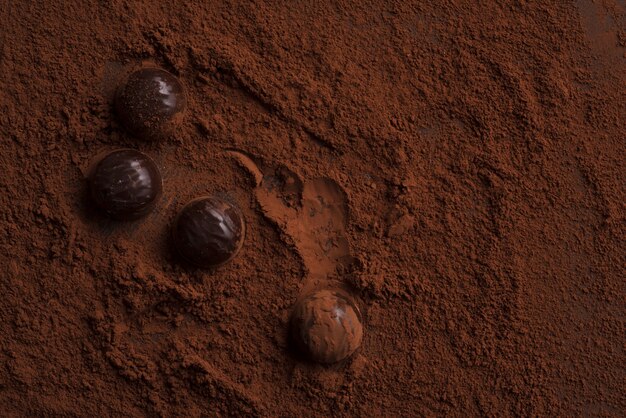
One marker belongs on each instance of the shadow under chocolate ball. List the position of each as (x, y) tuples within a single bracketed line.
[(126, 184), (326, 326), (208, 232), (149, 102)]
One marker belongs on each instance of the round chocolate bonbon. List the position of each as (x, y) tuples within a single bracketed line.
[(208, 231), (326, 326), (126, 184), (149, 102)]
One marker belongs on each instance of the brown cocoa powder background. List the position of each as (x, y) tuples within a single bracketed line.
[(473, 155)]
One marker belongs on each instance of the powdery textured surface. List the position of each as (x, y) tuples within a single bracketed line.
[(463, 166)]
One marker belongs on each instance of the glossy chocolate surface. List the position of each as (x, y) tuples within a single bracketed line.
[(326, 326), (126, 184), (149, 102), (208, 232)]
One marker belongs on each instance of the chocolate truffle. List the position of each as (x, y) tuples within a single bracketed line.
[(125, 184), (149, 102), (208, 231), (326, 326)]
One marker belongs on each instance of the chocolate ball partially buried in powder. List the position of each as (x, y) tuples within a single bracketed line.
[(126, 184), (150, 102), (326, 326), (208, 231)]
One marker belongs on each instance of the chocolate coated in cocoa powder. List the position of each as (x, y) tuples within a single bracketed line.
[(326, 326)]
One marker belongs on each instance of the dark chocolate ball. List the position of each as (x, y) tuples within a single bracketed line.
[(125, 184), (208, 231), (326, 326), (150, 102)]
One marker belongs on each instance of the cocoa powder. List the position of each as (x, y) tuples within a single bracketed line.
[(456, 167)]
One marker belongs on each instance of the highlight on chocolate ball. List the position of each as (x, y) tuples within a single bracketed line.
[(326, 326), (150, 102), (208, 232), (125, 184)]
